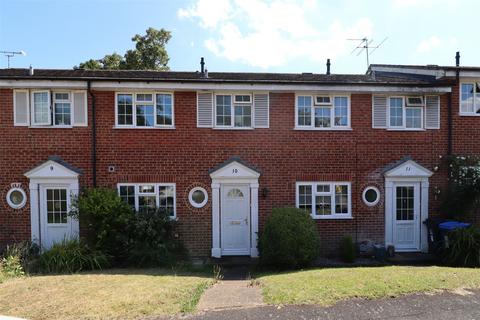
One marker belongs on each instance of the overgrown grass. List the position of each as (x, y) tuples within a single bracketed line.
[(328, 286), (120, 293)]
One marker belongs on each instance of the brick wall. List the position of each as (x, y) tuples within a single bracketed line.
[(185, 155)]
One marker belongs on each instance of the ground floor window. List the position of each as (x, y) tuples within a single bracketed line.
[(325, 200), (146, 197)]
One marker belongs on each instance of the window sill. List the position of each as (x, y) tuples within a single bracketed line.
[(322, 129), (50, 127), (147, 128), (233, 128), (405, 129), (469, 114), (334, 217)]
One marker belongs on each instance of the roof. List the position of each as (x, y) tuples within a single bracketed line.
[(231, 160), (214, 77), (426, 67)]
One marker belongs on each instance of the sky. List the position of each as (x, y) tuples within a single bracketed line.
[(244, 35)]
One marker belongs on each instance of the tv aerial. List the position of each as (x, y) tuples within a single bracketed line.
[(10, 54), (366, 45)]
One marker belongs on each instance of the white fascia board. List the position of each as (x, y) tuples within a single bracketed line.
[(40, 84), (133, 85), (464, 74)]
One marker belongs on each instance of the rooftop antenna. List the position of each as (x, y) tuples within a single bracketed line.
[(365, 45), (10, 54)]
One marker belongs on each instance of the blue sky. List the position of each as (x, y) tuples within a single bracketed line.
[(243, 35)]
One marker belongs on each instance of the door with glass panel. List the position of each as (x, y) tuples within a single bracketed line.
[(406, 216), (56, 225)]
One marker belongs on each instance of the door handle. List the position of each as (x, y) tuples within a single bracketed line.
[(246, 221)]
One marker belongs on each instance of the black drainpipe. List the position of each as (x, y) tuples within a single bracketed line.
[(94, 137)]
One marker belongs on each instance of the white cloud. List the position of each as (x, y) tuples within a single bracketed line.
[(267, 34), (429, 44), (408, 4)]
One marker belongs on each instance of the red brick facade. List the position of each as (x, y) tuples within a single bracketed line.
[(185, 155)]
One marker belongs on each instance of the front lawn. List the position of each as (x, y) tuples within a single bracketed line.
[(122, 294), (328, 286)]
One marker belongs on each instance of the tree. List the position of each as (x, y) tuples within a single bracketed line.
[(149, 54)]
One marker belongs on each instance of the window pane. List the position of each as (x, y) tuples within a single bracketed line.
[(304, 104), (322, 117), (396, 112), (146, 189), (243, 115), (405, 201), (62, 114), (341, 199), (477, 98), (323, 188), (467, 97), (41, 107), (323, 205), (144, 97), (125, 109), (224, 110), (145, 117), (413, 118), (127, 193), (341, 111), (61, 96), (166, 197), (147, 203), (57, 211), (305, 198), (164, 109)]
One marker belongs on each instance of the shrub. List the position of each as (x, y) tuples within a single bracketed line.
[(107, 219), (70, 256), (348, 250), (26, 253), (289, 239), (153, 242), (11, 266), (464, 248)]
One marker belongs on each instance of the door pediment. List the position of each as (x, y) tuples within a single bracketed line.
[(53, 168), (408, 168), (234, 168)]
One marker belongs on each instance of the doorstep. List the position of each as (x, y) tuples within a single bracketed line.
[(412, 258)]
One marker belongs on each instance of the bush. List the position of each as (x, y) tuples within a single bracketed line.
[(11, 266), (289, 239), (348, 250), (464, 248), (153, 241), (107, 219), (25, 253), (70, 256)]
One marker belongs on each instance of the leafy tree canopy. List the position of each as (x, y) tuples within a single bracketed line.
[(149, 54)]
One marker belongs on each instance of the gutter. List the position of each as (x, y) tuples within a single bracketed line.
[(94, 136)]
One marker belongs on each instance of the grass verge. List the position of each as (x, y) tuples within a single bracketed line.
[(118, 293), (331, 285)]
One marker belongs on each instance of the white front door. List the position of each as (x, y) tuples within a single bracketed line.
[(406, 216), (56, 224), (235, 219)]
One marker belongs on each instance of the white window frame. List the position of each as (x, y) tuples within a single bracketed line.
[(473, 113), (134, 110), (364, 193), (70, 101), (32, 109), (232, 110), (331, 105), (157, 196), (193, 203), (21, 204), (403, 127), (332, 185)]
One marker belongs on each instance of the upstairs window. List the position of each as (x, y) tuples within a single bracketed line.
[(322, 112), (325, 200), (470, 98), (406, 112), (62, 109), (41, 108), (233, 111), (144, 110)]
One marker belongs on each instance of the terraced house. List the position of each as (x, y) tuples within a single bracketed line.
[(362, 153)]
